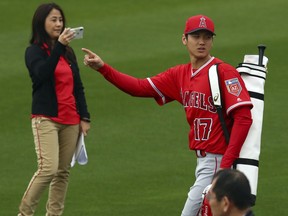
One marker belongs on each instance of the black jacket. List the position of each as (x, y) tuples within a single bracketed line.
[(41, 68)]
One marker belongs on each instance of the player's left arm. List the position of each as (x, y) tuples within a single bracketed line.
[(242, 121), (238, 108)]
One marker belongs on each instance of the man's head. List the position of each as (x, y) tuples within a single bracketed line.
[(230, 192), (198, 37)]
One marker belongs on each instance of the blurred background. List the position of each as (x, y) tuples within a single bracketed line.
[(139, 160)]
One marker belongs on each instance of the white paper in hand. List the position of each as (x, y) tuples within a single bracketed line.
[(80, 155)]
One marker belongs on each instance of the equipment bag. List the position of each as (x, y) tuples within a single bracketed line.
[(253, 73)]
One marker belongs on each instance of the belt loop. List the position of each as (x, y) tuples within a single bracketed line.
[(200, 153)]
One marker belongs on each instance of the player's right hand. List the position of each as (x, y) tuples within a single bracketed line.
[(92, 60)]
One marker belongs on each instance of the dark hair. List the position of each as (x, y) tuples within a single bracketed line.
[(186, 35), (39, 34), (234, 185)]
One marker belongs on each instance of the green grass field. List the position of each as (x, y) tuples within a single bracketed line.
[(139, 161)]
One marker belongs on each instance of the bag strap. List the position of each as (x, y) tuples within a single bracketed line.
[(216, 96)]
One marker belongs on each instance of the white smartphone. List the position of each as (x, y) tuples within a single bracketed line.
[(79, 31)]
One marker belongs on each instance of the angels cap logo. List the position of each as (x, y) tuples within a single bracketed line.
[(202, 23), (197, 23)]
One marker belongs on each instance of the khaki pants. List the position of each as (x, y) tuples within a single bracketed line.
[(54, 144)]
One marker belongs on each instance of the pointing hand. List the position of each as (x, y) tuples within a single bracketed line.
[(92, 60)]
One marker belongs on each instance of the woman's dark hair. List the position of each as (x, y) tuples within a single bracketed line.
[(234, 185), (39, 35)]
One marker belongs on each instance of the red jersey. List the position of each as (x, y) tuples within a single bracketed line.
[(192, 90)]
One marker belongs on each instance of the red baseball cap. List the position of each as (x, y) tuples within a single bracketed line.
[(199, 22)]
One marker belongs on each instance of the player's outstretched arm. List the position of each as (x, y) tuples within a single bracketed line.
[(126, 83), (92, 60)]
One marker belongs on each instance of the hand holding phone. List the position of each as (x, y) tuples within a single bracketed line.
[(79, 31)]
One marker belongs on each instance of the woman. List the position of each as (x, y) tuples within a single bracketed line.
[(59, 110)]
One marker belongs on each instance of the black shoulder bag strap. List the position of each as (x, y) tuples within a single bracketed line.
[(216, 96)]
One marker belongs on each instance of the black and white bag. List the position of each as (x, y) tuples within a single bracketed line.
[(253, 74)]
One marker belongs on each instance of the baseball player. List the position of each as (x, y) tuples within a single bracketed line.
[(188, 84)]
